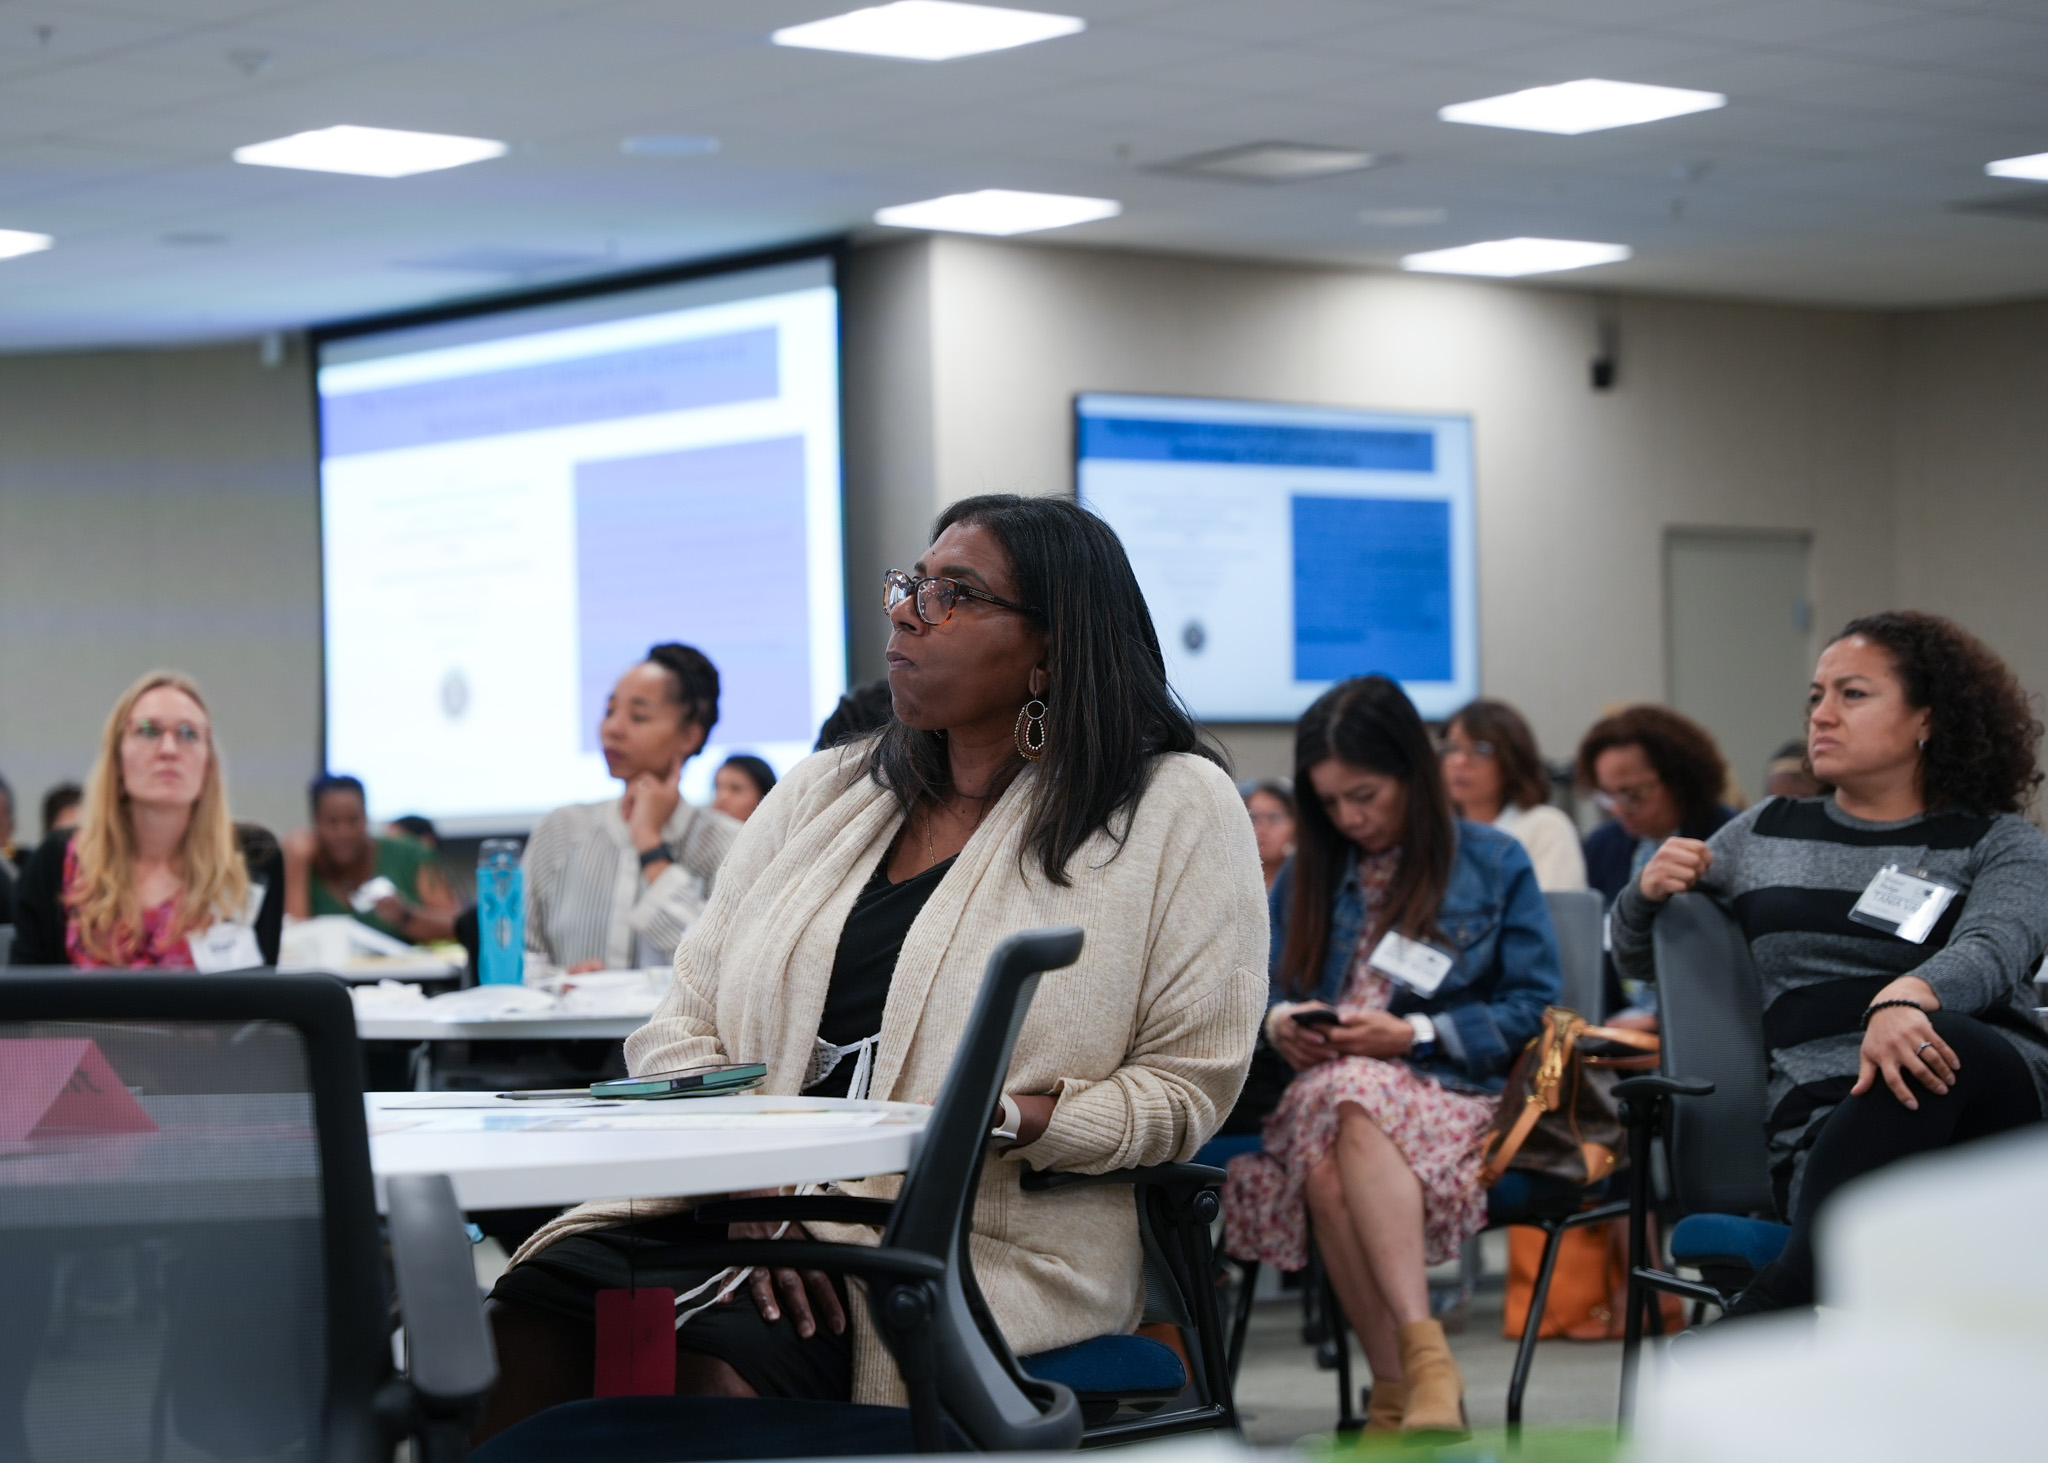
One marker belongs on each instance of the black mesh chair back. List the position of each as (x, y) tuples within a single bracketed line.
[(188, 1233), (985, 1393), (1576, 916), (1712, 1027)]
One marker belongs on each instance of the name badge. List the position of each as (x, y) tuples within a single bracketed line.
[(1419, 967), (228, 944), (1903, 904)]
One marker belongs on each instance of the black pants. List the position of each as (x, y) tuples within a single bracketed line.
[(1993, 1092)]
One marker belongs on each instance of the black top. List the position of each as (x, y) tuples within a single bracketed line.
[(866, 962), (40, 918)]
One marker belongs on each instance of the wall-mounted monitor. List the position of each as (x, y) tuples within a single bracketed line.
[(515, 503), (1285, 548)]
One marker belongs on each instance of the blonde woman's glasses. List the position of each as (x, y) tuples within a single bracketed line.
[(184, 734)]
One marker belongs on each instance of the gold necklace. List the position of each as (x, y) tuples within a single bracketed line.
[(931, 849)]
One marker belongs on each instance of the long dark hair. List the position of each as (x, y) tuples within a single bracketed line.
[(1982, 735), (1369, 723), (1109, 711)]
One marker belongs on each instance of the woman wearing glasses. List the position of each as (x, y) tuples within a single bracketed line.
[(1038, 771), (1412, 958), (156, 874), (1495, 775)]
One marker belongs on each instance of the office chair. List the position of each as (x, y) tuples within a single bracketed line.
[(1714, 1058), (191, 1253), (967, 1391)]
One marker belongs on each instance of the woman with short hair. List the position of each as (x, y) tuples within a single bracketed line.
[(327, 864), (1269, 803), (157, 874), (1895, 922), (741, 782), (1412, 958), (1495, 775), (614, 885), (1038, 771)]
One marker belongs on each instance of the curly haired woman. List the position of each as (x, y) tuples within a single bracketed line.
[(1895, 922)]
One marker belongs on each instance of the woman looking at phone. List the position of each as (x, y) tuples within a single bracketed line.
[(613, 885), (1038, 771), (1412, 957), (1895, 921)]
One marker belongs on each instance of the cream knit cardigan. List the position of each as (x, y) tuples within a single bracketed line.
[(1144, 1040)]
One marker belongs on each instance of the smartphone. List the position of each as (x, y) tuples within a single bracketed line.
[(685, 1082), (1317, 1016)]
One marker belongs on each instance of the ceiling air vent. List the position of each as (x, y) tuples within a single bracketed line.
[(1272, 162)]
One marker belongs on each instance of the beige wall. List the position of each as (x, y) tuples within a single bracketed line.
[(1725, 415), (1972, 453), (159, 508)]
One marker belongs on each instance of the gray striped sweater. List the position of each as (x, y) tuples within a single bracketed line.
[(586, 898), (1790, 870)]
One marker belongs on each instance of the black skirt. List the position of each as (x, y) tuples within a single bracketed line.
[(564, 1279)]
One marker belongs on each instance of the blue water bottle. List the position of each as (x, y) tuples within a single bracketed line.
[(500, 913)]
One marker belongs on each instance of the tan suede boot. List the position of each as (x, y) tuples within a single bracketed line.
[(1436, 1391), (1383, 1413)]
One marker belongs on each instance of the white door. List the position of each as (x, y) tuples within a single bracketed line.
[(1738, 640)]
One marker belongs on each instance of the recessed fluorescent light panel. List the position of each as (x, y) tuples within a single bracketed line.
[(2033, 167), (1507, 258), (16, 242), (928, 30), (1591, 105), (998, 211), (371, 152), (1272, 162)]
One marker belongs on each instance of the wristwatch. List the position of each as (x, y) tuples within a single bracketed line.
[(661, 853), (1425, 1035)]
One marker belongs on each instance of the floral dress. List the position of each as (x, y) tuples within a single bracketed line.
[(1438, 1131)]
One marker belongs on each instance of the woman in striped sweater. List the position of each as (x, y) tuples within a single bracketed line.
[(1895, 922)]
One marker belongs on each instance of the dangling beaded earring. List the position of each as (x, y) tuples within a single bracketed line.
[(1031, 730)]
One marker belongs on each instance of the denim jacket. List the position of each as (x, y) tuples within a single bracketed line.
[(1494, 918)]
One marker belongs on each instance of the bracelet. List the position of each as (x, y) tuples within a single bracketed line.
[(1875, 1006), (1009, 1120)]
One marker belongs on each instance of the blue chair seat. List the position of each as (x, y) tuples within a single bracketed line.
[(1218, 1152), (1726, 1239), (695, 1429), (1107, 1368), (1522, 1197)]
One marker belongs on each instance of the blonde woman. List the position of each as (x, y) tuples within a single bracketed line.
[(156, 875)]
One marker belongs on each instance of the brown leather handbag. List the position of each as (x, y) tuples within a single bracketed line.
[(1558, 1115)]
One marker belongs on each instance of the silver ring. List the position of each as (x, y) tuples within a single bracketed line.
[(1922, 1047)]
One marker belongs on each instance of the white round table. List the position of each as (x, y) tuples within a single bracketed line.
[(381, 1027), (502, 1154)]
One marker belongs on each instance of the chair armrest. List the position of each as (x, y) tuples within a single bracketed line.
[(1660, 1086), (870, 1262), (449, 1358), (1188, 1188), (799, 1208), (1179, 1177)]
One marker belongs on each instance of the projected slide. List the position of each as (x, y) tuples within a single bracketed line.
[(1284, 548), (515, 505)]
